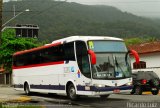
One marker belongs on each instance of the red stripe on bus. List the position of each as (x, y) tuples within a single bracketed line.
[(36, 49), (38, 65)]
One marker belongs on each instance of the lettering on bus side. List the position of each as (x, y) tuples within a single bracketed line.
[(69, 69), (66, 69)]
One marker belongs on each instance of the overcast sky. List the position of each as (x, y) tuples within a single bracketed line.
[(138, 7)]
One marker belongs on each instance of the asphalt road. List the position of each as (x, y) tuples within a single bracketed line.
[(148, 100)]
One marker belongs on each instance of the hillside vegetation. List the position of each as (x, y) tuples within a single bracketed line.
[(61, 19)]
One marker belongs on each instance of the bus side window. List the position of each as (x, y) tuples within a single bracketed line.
[(35, 57), (82, 58), (18, 61), (52, 54), (69, 51)]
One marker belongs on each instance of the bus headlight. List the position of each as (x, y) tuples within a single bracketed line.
[(129, 83), (99, 85)]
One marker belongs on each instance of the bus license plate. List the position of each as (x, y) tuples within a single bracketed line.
[(116, 91)]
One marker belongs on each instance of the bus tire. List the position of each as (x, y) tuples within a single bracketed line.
[(26, 89), (138, 90), (71, 92)]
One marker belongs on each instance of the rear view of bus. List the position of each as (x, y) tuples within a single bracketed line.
[(87, 66)]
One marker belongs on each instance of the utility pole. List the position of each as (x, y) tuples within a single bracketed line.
[(1, 4), (14, 9)]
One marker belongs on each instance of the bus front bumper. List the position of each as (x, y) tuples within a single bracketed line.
[(92, 90)]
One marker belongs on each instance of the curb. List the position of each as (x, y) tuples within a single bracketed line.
[(1, 85), (148, 92)]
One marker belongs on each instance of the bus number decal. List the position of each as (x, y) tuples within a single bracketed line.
[(91, 45), (66, 69)]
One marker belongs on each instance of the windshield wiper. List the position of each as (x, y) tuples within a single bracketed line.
[(118, 66)]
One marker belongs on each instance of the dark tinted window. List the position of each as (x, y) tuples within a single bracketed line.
[(18, 32), (19, 60), (82, 58), (141, 65), (52, 54), (69, 51)]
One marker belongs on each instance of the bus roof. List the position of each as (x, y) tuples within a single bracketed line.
[(86, 38), (68, 39), (36, 49)]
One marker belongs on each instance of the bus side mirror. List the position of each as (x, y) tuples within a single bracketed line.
[(135, 54), (92, 57)]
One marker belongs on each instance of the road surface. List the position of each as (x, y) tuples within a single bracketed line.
[(147, 100)]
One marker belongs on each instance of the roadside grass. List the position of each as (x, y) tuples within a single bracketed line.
[(15, 105)]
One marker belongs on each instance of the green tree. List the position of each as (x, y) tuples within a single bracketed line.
[(140, 40), (133, 41), (11, 44), (58, 19)]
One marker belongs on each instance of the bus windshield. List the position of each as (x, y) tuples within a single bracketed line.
[(111, 62)]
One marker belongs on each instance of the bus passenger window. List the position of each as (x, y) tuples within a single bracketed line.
[(69, 51)]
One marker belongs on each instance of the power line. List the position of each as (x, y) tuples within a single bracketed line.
[(16, 11)]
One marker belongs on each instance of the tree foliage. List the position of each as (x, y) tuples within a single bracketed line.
[(137, 40), (58, 19), (11, 44)]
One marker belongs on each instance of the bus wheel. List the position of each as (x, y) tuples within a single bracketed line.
[(71, 92), (104, 96), (138, 90), (26, 89)]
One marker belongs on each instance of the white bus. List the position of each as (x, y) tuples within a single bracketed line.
[(77, 65)]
